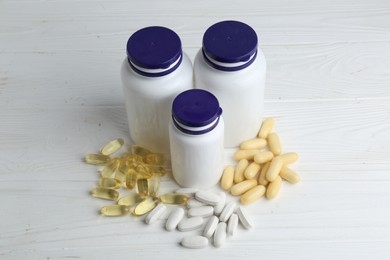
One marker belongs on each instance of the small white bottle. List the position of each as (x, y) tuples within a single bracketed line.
[(153, 73), (232, 67), (196, 136)]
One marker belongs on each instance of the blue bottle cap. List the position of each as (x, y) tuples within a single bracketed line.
[(230, 42), (196, 111), (154, 51)]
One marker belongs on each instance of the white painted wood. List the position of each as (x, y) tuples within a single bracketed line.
[(328, 87)]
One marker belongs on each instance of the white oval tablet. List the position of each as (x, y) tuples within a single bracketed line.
[(221, 204), (244, 218), (207, 197), (210, 227), (187, 191), (232, 224), (155, 214), (204, 211), (194, 204), (227, 211), (220, 234), (195, 242), (189, 224), (174, 218)]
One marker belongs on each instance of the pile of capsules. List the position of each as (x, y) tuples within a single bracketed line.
[(259, 171)]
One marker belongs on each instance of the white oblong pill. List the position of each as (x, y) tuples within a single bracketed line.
[(232, 224), (195, 203), (195, 242), (204, 211), (207, 197), (189, 224), (220, 234), (155, 214), (244, 218), (227, 211), (187, 191), (210, 227), (221, 204), (174, 218)]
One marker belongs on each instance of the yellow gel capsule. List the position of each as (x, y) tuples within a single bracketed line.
[(245, 154), (242, 187), (174, 198), (253, 194), (131, 178), (142, 187), (274, 188), (263, 157), (144, 207), (105, 193), (143, 171), (262, 176), (227, 177), (274, 169), (131, 200), (289, 158), (274, 144), (255, 143), (154, 184), (115, 210), (240, 169), (289, 175), (157, 169), (141, 151), (266, 128), (110, 183), (110, 169), (131, 157), (97, 159), (112, 146), (252, 170), (155, 159)]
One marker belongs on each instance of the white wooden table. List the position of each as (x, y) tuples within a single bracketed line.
[(328, 87)]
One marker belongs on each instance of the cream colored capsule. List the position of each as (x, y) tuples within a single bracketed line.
[(289, 158), (252, 170), (242, 187), (266, 127), (274, 188), (274, 144), (263, 157), (240, 169), (227, 178), (289, 175), (253, 194), (274, 168), (262, 176), (245, 154), (255, 143)]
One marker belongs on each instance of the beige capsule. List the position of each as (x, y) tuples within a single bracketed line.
[(262, 176), (240, 169), (266, 127), (253, 194), (115, 210), (289, 158), (110, 183), (274, 188), (97, 159), (255, 143), (263, 157), (105, 193), (242, 187), (227, 177), (112, 146), (252, 170), (174, 198), (245, 154), (274, 144), (144, 207), (131, 199), (289, 175), (274, 168)]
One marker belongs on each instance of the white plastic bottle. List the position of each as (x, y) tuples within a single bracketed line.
[(232, 67), (196, 137), (153, 73)]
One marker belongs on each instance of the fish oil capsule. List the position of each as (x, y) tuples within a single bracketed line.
[(131, 157), (97, 159), (110, 169), (131, 178), (104, 193), (143, 171), (227, 178), (240, 169), (141, 151), (174, 198), (274, 144), (154, 184), (253, 194), (157, 169), (110, 183), (255, 143), (289, 158), (262, 176), (142, 187), (112, 146), (273, 188), (252, 170), (289, 175), (263, 157), (115, 210), (131, 199), (274, 169), (242, 187), (245, 154), (266, 127), (144, 207), (155, 159)]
